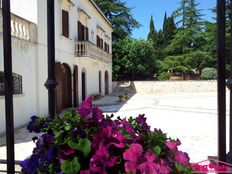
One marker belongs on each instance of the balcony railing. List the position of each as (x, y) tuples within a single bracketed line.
[(21, 28), (87, 49)]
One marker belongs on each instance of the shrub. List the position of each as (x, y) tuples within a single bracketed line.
[(209, 73), (164, 76), (87, 142)]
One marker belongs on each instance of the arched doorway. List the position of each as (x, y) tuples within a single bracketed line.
[(83, 84), (67, 90), (99, 78), (59, 79), (75, 85), (64, 88), (106, 83)]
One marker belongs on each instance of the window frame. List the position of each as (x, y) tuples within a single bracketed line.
[(65, 23), (17, 84)]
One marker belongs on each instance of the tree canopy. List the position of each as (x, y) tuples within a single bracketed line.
[(120, 17)]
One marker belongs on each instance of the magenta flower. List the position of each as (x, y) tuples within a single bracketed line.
[(88, 113), (102, 160), (132, 155), (127, 127), (108, 136), (172, 145), (181, 157), (147, 168), (65, 152), (150, 156), (84, 172)]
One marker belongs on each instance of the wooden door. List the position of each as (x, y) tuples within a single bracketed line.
[(106, 83), (59, 88), (75, 85), (83, 84), (67, 86)]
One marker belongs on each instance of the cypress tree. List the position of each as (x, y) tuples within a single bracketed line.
[(165, 21), (152, 33), (169, 29)]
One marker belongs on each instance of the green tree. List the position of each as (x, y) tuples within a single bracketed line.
[(152, 33), (120, 17), (169, 29), (134, 58), (190, 16)]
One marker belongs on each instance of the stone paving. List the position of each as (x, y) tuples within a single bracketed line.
[(191, 117)]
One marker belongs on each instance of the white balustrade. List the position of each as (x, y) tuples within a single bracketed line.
[(21, 28), (85, 48)]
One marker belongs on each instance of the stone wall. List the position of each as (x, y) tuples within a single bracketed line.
[(152, 87)]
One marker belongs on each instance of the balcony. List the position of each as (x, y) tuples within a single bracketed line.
[(87, 49), (21, 28)]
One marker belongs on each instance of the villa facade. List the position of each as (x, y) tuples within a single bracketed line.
[(83, 56)]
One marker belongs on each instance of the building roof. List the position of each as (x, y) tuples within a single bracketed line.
[(99, 10)]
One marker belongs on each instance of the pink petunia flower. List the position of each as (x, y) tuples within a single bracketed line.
[(88, 113), (181, 157), (172, 145)]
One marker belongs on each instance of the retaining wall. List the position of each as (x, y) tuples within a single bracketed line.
[(171, 86)]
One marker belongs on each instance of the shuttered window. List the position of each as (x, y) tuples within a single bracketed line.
[(101, 46), (65, 23), (98, 41), (86, 34), (83, 32)]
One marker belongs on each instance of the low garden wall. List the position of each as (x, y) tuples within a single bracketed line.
[(151, 87)]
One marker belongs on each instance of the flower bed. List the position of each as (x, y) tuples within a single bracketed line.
[(87, 142)]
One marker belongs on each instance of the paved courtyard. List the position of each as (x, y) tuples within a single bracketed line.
[(191, 117)]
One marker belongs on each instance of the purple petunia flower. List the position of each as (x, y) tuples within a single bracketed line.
[(88, 113), (141, 121), (34, 125), (31, 164)]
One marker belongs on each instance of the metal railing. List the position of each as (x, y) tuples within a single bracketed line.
[(88, 49), (17, 166)]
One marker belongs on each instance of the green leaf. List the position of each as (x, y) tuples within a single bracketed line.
[(67, 127), (157, 150), (179, 167), (128, 136), (70, 166), (84, 146)]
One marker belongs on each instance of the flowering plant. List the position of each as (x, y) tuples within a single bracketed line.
[(87, 142)]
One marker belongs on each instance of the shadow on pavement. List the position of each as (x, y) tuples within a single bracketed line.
[(110, 103)]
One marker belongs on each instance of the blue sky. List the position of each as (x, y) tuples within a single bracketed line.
[(143, 9)]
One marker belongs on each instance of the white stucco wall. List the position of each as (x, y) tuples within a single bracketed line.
[(30, 58), (65, 47), (24, 56)]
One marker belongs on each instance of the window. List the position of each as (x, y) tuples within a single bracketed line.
[(107, 47), (99, 42), (17, 83), (65, 23), (83, 32)]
